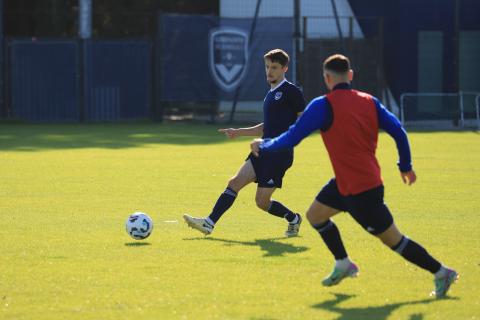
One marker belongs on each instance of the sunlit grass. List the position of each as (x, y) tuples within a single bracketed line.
[(66, 191)]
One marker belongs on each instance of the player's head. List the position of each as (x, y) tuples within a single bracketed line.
[(336, 69), (276, 64)]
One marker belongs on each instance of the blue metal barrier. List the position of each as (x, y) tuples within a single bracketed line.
[(44, 80), (3, 110), (118, 80)]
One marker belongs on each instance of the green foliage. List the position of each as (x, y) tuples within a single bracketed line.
[(68, 189), (124, 18)]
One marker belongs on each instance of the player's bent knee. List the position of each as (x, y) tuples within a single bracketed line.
[(235, 184), (391, 236), (318, 214), (316, 218), (262, 202), (311, 216)]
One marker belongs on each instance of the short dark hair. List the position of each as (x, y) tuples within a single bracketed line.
[(277, 55), (337, 63)]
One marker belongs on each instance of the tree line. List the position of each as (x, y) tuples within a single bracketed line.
[(119, 18)]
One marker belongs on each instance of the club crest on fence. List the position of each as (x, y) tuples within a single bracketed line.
[(228, 56)]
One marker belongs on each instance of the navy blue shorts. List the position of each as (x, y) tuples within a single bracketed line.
[(270, 167), (367, 208)]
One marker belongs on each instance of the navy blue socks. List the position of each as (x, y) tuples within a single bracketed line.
[(416, 254), (279, 210), (223, 203), (331, 236)]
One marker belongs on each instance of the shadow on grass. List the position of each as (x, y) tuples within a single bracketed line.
[(271, 247), (37, 137), (33, 137), (137, 244), (377, 312)]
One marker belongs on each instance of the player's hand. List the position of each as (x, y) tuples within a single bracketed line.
[(230, 132), (255, 146), (408, 177)]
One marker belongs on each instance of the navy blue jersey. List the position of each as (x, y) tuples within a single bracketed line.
[(280, 108)]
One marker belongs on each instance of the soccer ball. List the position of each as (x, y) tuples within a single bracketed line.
[(139, 225)]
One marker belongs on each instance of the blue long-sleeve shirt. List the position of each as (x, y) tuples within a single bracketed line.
[(318, 116)]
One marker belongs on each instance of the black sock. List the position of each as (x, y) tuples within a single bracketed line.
[(331, 236), (224, 202), (279, 210), (416, 254)]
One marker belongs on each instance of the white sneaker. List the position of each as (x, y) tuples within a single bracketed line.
[(200, 224), (294, 228)]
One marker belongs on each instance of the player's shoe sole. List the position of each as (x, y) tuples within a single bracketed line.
[(199, 224)]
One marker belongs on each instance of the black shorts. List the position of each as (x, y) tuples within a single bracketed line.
[(270, 167), (367, 208)]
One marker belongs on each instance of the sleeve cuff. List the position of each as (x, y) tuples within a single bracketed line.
[(404, 167)]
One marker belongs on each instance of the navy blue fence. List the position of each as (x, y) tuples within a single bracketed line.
[(44, 79), (118, 80), (3, 112), (196, 59)]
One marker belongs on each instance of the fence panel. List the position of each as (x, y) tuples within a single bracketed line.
[(2, 74), (3, 109), (118, 80), (44, 80)]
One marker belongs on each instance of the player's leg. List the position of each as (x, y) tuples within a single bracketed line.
[(319, 216), (270, 169), (243, 177), (263, 199), (328, 203), (408, 248), (370, 211), (416, 254)]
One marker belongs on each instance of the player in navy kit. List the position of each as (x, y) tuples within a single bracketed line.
[(281, 107)]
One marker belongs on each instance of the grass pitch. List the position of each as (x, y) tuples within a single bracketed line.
[(66, 191)]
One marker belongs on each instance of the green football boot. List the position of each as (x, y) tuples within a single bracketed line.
[(339, 274), (443, 284)]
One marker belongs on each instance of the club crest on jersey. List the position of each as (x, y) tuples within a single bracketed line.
[(228, 56), (278, 95)]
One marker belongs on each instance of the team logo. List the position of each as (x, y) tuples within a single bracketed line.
[(278, 95), (228, 56)]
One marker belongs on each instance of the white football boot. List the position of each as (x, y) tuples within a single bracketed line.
[(200, 224), (294, 228)]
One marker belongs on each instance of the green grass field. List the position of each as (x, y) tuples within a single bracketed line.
[(66, 191)]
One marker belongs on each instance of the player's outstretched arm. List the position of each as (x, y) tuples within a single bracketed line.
[(233, 133), (312, 119)]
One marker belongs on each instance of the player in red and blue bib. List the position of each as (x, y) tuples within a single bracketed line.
[(349, 121), (281, 106)]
